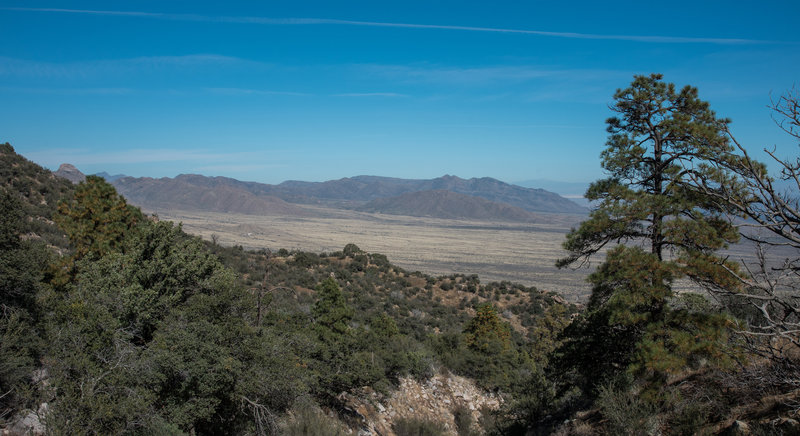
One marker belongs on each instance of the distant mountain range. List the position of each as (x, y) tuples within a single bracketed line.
[(442, 197), (200, 193), (447, 204), (571, 190), (566, 189), (109, 178)]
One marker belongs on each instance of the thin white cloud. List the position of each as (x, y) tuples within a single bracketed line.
[(83, 157), (482, 75), (186, 60), (320, 21), (246, 91), (238, 168), (573, 35), (370, 94), (453, 75), (517, 126), (23, 67), (69, 91)]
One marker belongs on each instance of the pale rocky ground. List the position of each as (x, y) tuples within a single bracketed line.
[(433, 400)]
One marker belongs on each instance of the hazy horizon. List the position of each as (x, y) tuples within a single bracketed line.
[(567, 189)]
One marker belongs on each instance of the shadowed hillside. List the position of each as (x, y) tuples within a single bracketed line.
[(367, 188), (534, 200), (447, 205), (201, 194)]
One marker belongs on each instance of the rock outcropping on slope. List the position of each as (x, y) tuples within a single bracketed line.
[(435, 400), (70, 173)]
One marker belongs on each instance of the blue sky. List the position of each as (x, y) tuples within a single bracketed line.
[(273, 91)]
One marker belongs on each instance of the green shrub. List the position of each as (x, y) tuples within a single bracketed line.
[(309, 420), (350, 250), (463, 419), (306, 260), (417, 427), (626, 412)]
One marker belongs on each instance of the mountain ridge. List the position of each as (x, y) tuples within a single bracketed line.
[(367, 188), (358, 190), (166, 193), (441, 203), (478, 198)]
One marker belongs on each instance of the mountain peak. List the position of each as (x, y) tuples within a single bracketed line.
[(69, 172)]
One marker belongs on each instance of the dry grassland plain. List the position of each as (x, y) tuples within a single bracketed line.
[(521, 253)]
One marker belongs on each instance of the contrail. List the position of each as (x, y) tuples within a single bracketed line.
[(317, 21)]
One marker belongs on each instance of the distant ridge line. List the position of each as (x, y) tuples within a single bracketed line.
[(348, 193)]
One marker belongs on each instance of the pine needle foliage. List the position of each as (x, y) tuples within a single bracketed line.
[(660, 140)]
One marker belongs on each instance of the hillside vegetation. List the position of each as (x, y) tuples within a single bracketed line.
[(135, 327), (143, 328), (38, 192)]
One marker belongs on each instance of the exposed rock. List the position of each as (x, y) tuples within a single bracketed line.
[(787, 425), (434, 400), (738, 428), (27, 423), (70, 173)]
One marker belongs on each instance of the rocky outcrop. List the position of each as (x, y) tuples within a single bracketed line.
[(70, 173), (436, 400), (27, 423)]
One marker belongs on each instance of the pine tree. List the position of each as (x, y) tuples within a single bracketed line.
[(659, 137), (97, 219), (487, 333), (21, 261), (331, 312), (490, 354), (21, 265), (660, 140)]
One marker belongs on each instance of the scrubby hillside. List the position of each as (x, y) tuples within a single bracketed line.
[(141, 328), (138, 327), (39, 192)]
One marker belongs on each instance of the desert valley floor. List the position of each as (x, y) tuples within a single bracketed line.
[(522, 253), (519, 252)]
